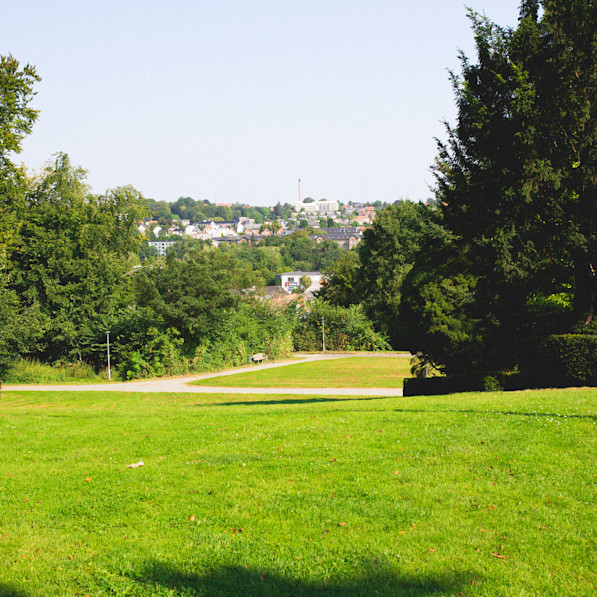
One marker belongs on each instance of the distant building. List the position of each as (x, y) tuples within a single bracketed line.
[(321, 207), (290, 280), (161, 246), (347, 237)]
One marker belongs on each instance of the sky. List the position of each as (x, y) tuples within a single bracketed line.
[(235, 100)]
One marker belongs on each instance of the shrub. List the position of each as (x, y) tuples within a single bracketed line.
[(151, 353), (491, 384), (568, 359), (346, 328)]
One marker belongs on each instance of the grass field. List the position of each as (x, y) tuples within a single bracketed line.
[(355, 372), (472, 494)]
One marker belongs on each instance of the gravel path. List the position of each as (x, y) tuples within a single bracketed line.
[(180, 384)]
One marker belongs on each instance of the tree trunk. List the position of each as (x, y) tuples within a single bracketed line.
[(585, 296)]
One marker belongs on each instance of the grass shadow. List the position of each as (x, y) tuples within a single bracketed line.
[(11, 591), (288, 401), (232, 581), (498, 412)]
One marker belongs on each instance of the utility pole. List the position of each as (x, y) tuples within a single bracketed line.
[(108, 349)]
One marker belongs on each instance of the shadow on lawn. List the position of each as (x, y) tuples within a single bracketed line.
[(290, 401), (233, 581), (10, 591), (498, 412)]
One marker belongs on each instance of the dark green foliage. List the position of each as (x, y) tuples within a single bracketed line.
[(557, 361), (192, 294), (346, 328), (144, 347), (341, 280), (568, 359), (387, 253), (438, 319), (517, 183), (254, 326), (20, 328), (149, 353)]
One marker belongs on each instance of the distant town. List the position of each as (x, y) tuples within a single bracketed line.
[(324, 220)]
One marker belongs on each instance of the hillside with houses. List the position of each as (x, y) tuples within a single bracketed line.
[(323, 219)]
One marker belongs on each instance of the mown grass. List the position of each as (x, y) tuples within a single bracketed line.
[(473, 494), (355, 372)]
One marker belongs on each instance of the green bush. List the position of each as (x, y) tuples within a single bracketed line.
[(492, 384), (568, 359), (151, 353), (346, 328)]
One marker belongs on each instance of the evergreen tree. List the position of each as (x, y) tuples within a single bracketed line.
[(517, 176)]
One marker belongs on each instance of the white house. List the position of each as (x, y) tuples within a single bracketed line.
[(290, 280)]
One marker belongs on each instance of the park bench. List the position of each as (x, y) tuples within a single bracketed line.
[(258, 358)]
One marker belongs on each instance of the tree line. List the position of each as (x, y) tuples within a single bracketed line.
[(71, 271)]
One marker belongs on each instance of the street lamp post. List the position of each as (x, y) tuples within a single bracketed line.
[(108, 349), (323, 333)]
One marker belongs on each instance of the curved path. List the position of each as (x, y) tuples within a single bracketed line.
[(180, 384)]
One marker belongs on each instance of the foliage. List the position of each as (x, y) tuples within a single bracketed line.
[(16, 116), (144, 345), (387, 253), (254, 326), (516, 184), (346, 328), (192, 294), (16, 121), (150, 353), (20, 328), (305, 282), (421, 367), (73, 256), (341, 279), (472, 382), (568, 359)]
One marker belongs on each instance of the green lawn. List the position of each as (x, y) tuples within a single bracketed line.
[(472, 494), (357, 372)]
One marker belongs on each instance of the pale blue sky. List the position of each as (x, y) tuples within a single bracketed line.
[(232, 100)]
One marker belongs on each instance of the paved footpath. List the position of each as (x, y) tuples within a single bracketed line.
[(180, 384)]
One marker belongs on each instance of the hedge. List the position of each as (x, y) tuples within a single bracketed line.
[(475, 382), (558, 361), (568, 359)]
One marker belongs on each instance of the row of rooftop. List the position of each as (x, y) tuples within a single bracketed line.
[(245, 230)]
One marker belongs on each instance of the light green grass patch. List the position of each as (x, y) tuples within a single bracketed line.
[(473, 494), (355, 372)]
